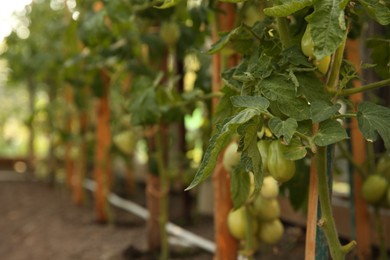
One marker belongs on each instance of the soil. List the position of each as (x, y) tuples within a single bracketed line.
[(39, 222)]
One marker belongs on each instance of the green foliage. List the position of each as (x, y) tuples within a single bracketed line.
[(327, 26), (283, 128), (373, 120), (287, 7), (320, 110), (330, 132), (240, 187), (377, 10)]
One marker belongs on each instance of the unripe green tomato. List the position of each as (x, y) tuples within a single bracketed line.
[(125, 141), (383, 166), (170, 33), (307, 44), (270, 188), (374, 188), (323, 64), (236, 222), (263, 146), (231, 157), (266, 209), (279, 167), (271, 231)]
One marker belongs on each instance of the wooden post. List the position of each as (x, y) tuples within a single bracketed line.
[(311, 222), (359, 153), (80, 165), (31, 87), (69, 163), (226, 245), (102, 172)]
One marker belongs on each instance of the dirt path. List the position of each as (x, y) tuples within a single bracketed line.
[(41, 223), (38, 222)]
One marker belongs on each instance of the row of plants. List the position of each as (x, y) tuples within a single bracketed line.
[(284, 89)]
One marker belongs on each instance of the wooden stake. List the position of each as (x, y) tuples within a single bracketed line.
[(102, 172), (311, 222), (226, 244), (359, 153)]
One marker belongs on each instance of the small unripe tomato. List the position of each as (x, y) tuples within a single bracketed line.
[(279, 167), (271, 231), (323, 64), (125, 141), (231, 157), (236, 223), (374, 188), (270, 188), (266, 209), (307, 44), (170, 33)]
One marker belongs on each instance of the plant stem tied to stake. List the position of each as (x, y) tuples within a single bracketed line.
[(337, 251)]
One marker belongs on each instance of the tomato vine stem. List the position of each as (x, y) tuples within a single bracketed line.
[(164, 189), (352, 91), (283, 32), (338, 56), (326, 222)]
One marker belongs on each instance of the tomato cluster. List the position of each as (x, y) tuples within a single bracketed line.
[(263, 207)]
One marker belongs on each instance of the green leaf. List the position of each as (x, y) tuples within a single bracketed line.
[(287, 8), (377, 10), (327, 26), (232, 1), (330, 132), (259, 103), (220, 44), (321, 110), (251, 161), (250, 155), (281, 90), (240, 187), (311, 87), (248, 133), (283, 128), (373, 120), (143, 106), (167, 4), (240, 38), (295, 150), (218, 142)]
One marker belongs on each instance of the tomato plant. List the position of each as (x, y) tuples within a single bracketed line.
[(276, 86)]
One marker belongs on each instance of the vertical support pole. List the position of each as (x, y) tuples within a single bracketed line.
[(322, 252), (102, 172), (226, 244), (69, 162), (311, 222), (358, 151)]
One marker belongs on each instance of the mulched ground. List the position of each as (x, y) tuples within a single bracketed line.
[(38, 222)]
